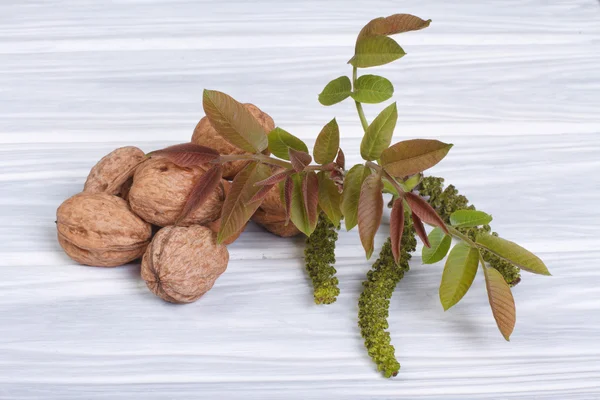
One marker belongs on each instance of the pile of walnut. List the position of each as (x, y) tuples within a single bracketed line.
[(129, 196)]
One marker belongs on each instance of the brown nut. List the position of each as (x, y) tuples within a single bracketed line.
[(183, 263), (275, 223), (206, 135), (271, 215), (99, 229), (113, 173), (160, 190), (272, 202)]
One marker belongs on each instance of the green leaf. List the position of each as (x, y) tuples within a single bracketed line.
[(412, 156), (329, 198), (238, 207), (459, 273), (379, 134), (469, 218), (409, 184), (299, 159), (373, 51), (513, 253), (234, 122), (372, 89), (299, 213), (440, 244), (280, 141), (337, 90), (389, 188), (350, 196), (501, 301), (327, 143)]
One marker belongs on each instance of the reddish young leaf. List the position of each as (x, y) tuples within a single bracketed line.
[(299, 159), (370, 210), (275, 178), (420, 229), (329, 167), (397, 23), (234, 122), (207, 183), (426, 213), (262, 193), (237, 208), (413, 156), (397, 228), (338, 178), (501, 301), (187, 154), (341, 159), (288, 190), (310, 192)]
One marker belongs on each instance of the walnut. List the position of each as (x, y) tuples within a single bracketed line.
[(99, 229), (161, 188), (275, 223), (272, 202), (206, 135), (183, 263), (113, 173), (271, 215)]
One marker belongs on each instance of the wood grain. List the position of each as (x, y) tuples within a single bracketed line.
[(513, 84)]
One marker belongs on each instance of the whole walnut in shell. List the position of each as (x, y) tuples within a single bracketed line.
[(183, 263), (271, 215), (160, 190), (100, 229), (275, 223), (113, 173), (206, 135)]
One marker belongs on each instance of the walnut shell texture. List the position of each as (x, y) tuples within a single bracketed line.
[(183, 263), (160, 190), (114, 171), (100, 229), (206, 135), (272, 202), (275, 223)]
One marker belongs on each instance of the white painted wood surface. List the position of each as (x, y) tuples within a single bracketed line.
[(514, 84)]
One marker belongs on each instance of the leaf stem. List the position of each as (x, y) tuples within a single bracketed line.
[(388, 177), (253, 157), (482, 260), (269, 160), (459, 235), (359, 108)]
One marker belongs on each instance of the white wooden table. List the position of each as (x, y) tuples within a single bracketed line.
[(514, 84)]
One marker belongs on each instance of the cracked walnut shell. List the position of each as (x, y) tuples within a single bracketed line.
[(99, 229), (183, 263), (206, 135), (113, 173), (160, 190)]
